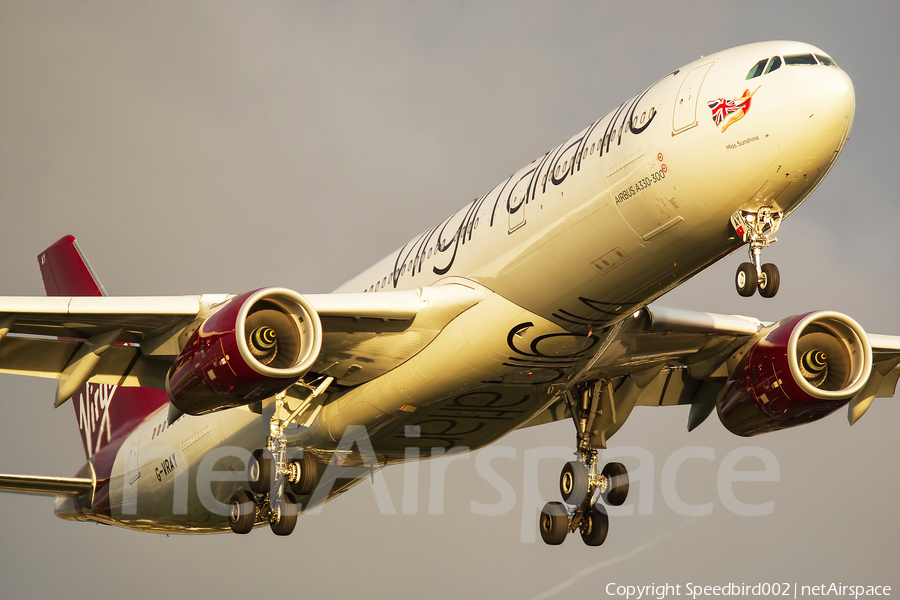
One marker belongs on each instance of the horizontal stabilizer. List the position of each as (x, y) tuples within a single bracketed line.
[(31, 484)]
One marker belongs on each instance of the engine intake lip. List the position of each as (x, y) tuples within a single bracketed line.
[(855, 342), (303, 316)]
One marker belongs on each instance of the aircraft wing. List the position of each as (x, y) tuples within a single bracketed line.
[(136, 339), (676, 357), (672, 356)]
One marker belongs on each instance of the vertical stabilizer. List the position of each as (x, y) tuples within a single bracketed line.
[(104, 412)]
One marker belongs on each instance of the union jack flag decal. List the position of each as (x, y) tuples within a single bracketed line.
[(738, 107)]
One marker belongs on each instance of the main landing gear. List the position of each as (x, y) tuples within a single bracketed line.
[(247, 509), (757, 228), (268, 471), (581, 482)]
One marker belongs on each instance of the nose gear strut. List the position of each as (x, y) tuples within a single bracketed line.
[(268, 470), (758, 229)]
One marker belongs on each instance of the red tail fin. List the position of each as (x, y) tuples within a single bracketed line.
[(104, 412)]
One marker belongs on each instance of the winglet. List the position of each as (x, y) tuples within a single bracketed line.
[(66, 272)]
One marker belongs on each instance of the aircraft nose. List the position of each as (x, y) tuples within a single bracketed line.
[(827, 100), (818, 120)]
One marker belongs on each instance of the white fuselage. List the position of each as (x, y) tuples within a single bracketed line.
[(563, 250)]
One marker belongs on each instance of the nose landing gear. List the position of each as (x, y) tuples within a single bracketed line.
[(757, 228)]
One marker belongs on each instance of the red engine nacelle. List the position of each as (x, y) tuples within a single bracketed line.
[(802, 370), (255, 346)]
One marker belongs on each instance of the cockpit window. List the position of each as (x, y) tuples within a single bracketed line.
[(766, 66), (757, 69), (799, 59)]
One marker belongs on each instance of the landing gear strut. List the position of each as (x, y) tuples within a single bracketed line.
[(268, 471), (580, 482), (757, 228)]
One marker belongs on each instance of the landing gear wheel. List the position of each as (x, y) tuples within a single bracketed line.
[(595, 527), (745, 279), (284, 516), (242, 515), (259, 471), (617, 490), (554, 523), (573, 482), (302, 474), (770, 280)]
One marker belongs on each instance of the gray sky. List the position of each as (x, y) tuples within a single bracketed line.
[(220, 147)]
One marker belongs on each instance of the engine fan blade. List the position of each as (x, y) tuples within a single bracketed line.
[(287, 340), (263, 344), (814, 367), (824, 360)]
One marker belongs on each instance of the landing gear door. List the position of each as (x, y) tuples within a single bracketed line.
[(685, 113)]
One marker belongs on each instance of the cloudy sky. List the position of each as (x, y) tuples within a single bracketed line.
[(200, 147)]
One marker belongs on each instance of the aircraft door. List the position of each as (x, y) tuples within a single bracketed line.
[(685, 113), (640, 194), (516, 211), (516, 201)]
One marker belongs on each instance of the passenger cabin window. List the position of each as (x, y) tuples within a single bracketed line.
[(826, 61), (799, 59), (773, 64), (757, 69)]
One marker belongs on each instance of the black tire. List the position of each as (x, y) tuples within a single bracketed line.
[(259, 471), (309, 472), (745, 279), (284, 517), (770, 282), (242, 515), (595, 527), (617, 491), (573, 482), (554, 523)]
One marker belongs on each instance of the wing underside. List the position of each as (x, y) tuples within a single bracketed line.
[(137, 339)]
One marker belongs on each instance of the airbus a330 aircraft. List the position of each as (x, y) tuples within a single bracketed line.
[(530, 304)]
